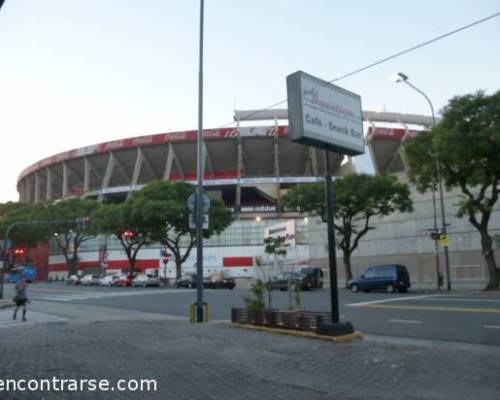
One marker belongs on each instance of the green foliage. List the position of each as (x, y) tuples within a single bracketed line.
[(27, 235), (298, 295), (422, 162), (306, 198), (358, 198), (162, 206), (274, 246), (115, 219), (466, 143), (256, 303), (159, 213)]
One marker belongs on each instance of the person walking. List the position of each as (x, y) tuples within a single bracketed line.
[(21, 297)]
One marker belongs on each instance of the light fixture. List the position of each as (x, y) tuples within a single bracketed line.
[(257, 218)]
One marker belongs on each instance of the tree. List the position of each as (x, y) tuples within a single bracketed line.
[(274, 246), (77, 216), (358, 198), (25, 234), (165, 214), (466, 143), (125, 222)]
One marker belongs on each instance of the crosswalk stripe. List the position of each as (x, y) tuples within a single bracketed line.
[(99, 295), (34, 317)]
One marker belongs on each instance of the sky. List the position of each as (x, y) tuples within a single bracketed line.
[(79, 72)]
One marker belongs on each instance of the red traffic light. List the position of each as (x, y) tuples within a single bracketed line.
[(19, 251), (128, 234)]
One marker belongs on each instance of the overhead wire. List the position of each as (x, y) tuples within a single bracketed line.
[(385, 59)]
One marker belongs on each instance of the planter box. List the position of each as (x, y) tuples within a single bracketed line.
[(289, 319)]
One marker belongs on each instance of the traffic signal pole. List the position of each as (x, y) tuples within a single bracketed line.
[(199, 189), (6, 242)]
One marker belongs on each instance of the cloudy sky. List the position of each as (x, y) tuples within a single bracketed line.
[(75, 72)]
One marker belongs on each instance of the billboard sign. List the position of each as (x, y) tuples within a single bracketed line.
[(284, 229), (324, 115)]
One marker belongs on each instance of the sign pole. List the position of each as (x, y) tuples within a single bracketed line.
[(199, 216), (330, 213)]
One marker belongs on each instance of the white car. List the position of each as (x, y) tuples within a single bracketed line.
[(74, 280), (107, 280), (89, 280), (145, 280)]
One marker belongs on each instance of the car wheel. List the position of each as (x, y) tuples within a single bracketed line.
[(390, 289), (354, 288), (403, 289)]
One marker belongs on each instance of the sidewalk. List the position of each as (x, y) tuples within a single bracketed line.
[(217, 361)]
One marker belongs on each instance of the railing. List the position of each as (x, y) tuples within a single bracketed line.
[(288, 319)]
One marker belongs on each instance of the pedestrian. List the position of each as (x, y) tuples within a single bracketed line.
[(21, 297)]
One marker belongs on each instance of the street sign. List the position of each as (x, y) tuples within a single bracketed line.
[(192, 221), (205, 200), (444, 240)]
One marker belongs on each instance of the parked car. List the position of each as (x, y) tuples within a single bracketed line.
[(315, 275), (206, 281), (108, 280), (389, 277), (89, 280), (74, 280), (145, 280), (221, 281), (183, 283), (124, 280), (280, 281)]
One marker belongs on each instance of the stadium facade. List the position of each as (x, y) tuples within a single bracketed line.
[(250, 168)]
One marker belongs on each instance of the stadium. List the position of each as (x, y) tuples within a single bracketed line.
[(250, 166)]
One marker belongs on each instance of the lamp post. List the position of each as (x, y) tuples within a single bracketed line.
[(404, 78)]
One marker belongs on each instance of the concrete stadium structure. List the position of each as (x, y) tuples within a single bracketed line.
[(249, 168)]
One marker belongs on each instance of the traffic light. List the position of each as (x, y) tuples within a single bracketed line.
[(19, 251), (128, 234), (82, 223), (436, 234)]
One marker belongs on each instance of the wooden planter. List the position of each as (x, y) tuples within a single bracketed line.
[(290, 318)]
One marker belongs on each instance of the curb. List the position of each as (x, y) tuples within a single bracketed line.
[(357, 335), (6, 304)]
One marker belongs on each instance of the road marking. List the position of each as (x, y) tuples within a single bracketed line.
[(365, 303), (33, 317), (405, 321), (465, 299), (491, 326), (100, 295), (432, 308)]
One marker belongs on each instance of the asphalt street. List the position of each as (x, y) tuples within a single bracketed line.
[(469, 317)]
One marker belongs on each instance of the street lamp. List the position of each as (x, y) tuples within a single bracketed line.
[(405, 79)]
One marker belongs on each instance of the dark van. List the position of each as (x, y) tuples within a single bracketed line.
[(315, 276), (389, 277)]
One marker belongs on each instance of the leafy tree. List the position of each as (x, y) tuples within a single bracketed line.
[(26, 234), (124, 221), (274, 246), (466, 143), (77, 216), (358, 199), (164, 210)]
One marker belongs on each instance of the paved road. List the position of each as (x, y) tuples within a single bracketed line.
[(462, 317), (217, 361)]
